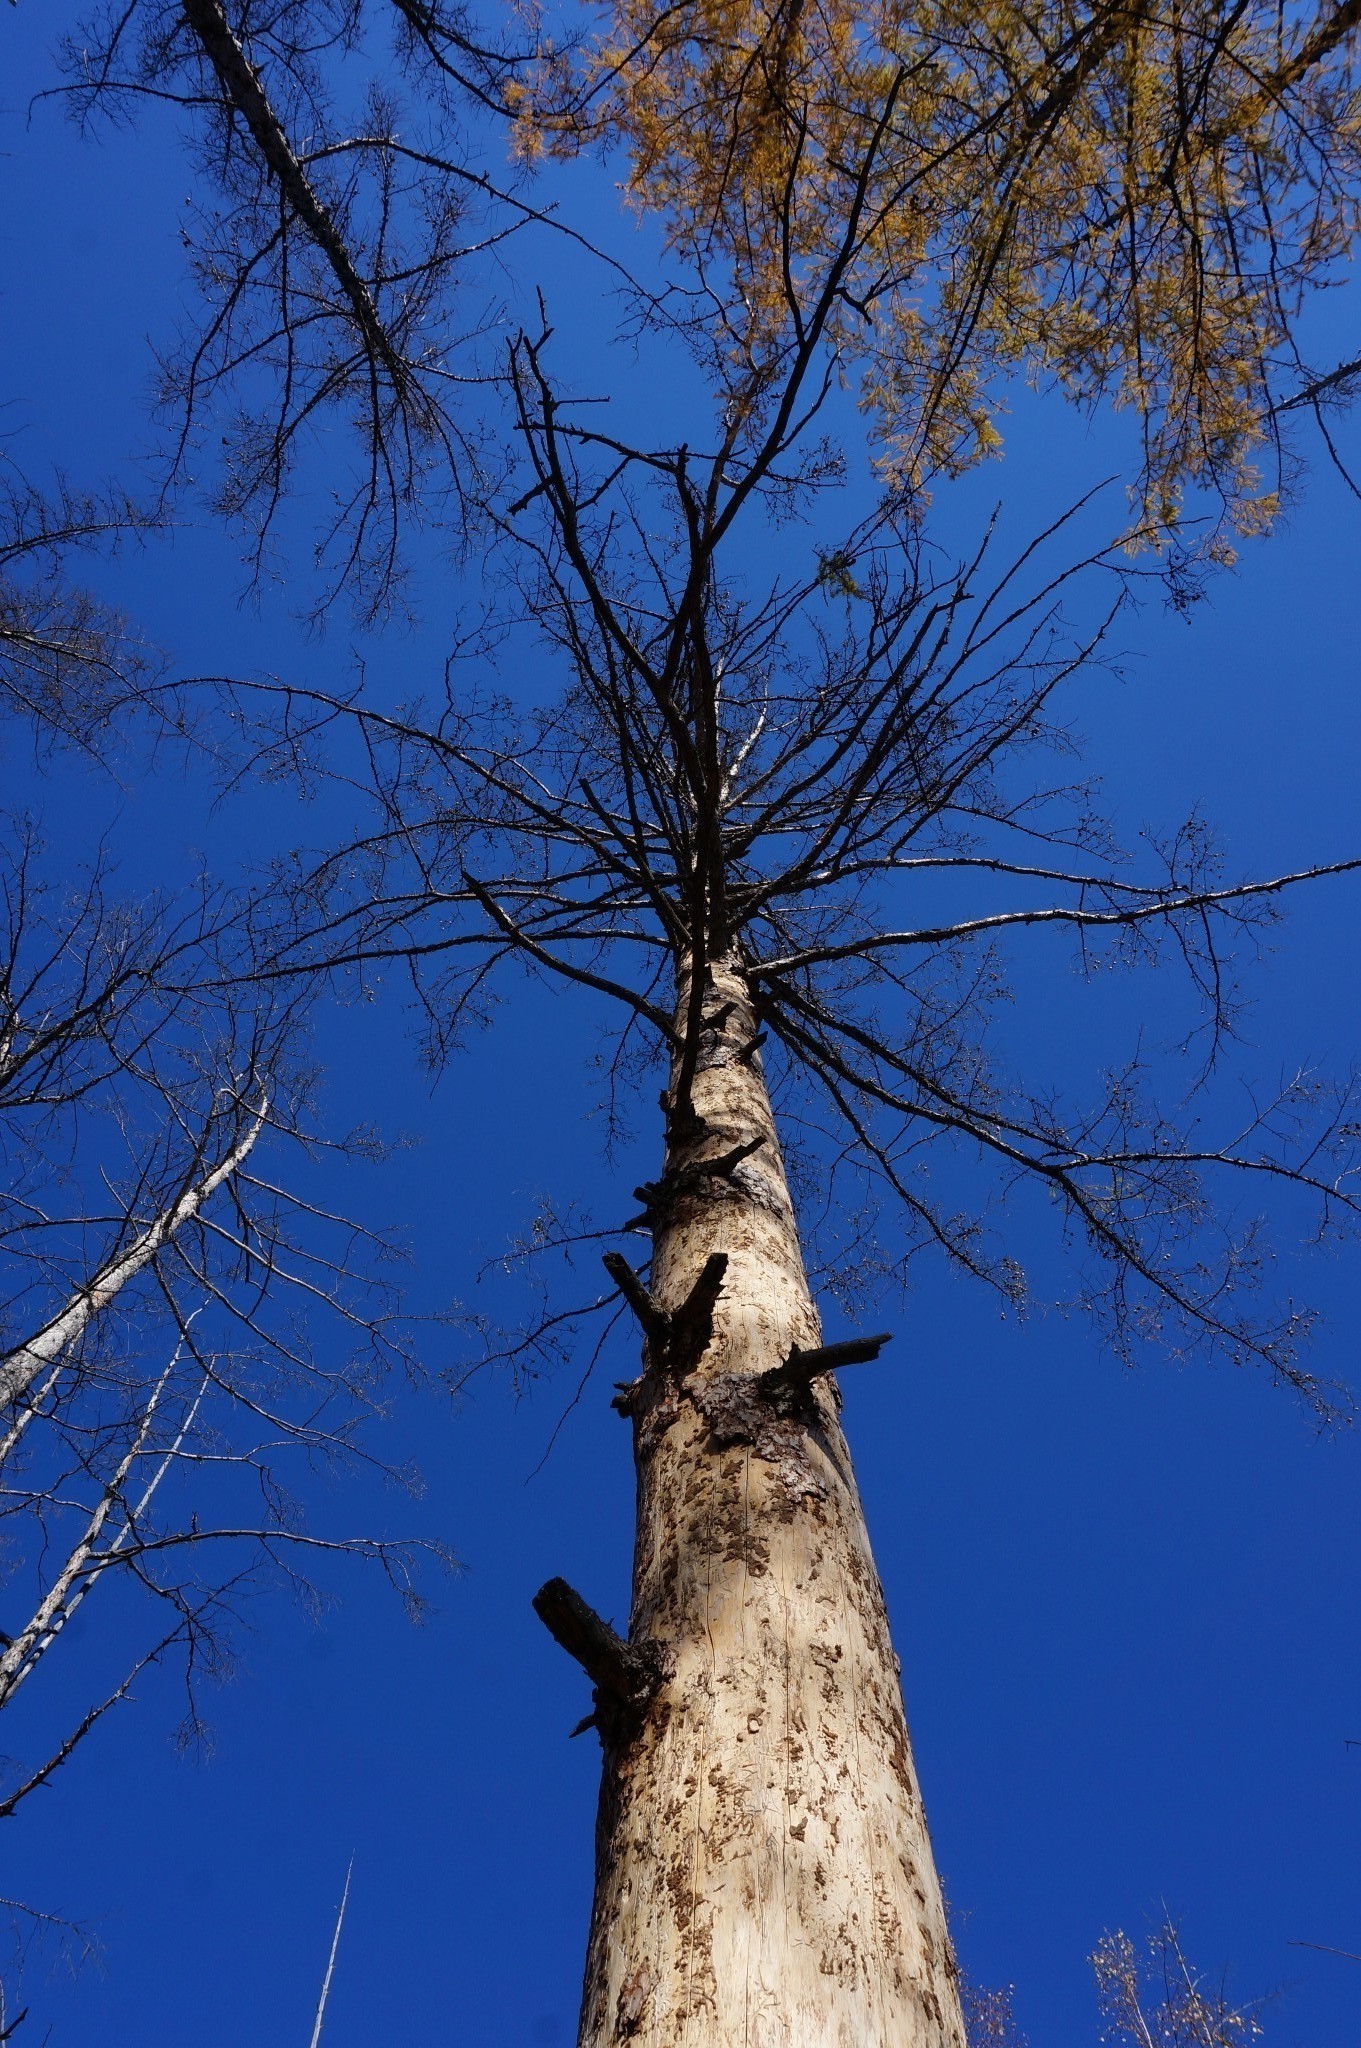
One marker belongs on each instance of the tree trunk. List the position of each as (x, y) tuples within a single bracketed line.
[(764, 1877)]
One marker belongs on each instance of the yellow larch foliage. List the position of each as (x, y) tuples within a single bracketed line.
[(1128, 200)]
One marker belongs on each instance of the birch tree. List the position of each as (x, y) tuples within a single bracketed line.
[(802, 791), (182, 1332), (156, 1376)]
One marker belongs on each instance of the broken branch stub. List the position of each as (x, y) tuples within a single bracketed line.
[(692, 1325), (655, 1321), (803, 1367), (679, 1337), (626, 1676), (725, 1164), (659, 1196)]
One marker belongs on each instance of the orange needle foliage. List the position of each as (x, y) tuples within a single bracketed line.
[(1127, 201)]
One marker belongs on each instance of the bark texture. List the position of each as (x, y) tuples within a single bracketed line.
[(764, 1876)]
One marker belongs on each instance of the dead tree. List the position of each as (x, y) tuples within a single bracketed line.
[(715, 850)]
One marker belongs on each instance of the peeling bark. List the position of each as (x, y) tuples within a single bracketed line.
[(764, 1877)]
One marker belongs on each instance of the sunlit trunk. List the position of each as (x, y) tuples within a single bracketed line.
[(764, 1877)]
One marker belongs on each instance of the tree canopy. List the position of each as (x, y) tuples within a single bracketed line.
[(1128, 202)]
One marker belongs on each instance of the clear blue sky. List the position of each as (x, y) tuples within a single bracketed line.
[(1126, 1603)]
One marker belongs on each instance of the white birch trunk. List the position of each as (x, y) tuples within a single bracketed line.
[(85, 1563), (20, 1367), (764, 1876)]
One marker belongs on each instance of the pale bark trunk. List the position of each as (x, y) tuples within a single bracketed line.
[(764, 1876), (20, 1367)]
